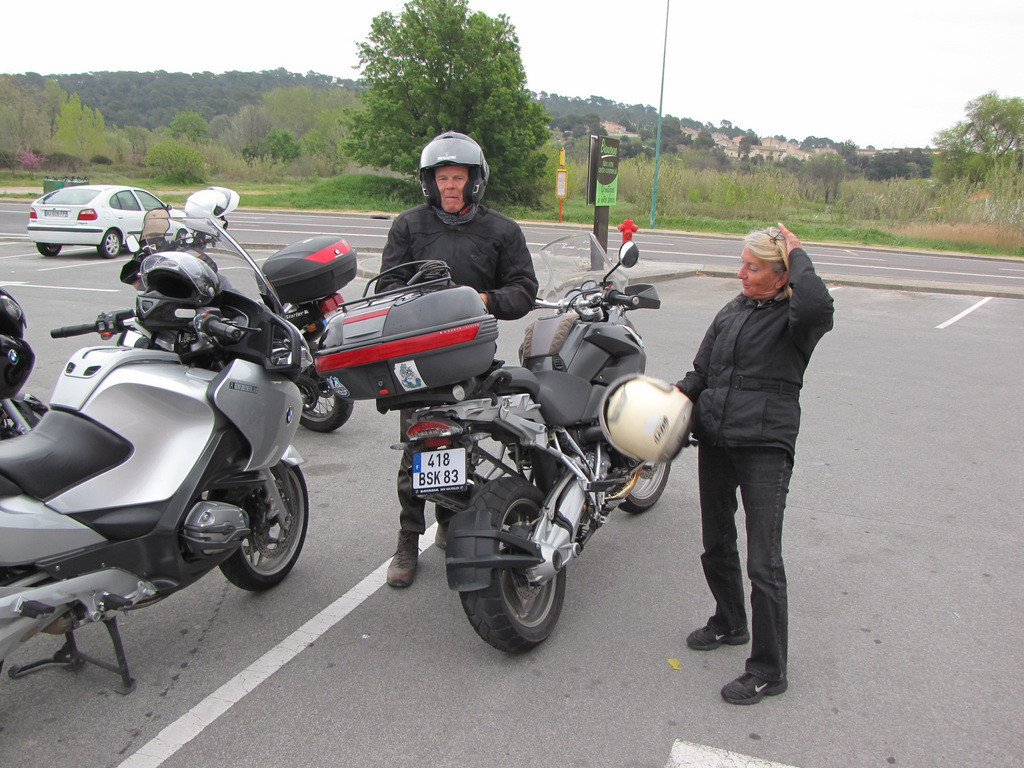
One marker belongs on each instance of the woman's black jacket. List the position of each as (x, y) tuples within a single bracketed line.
[(746, 377), (488, 253)]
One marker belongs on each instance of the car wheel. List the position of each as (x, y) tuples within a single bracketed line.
[(110, 245), (48, 249)]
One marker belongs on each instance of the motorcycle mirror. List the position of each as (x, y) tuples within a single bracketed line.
[(629, 254), (132, 243)]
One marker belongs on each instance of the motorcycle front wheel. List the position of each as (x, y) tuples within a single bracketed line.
[(273, 547), (512, 614), (323, 409), (648, 489)]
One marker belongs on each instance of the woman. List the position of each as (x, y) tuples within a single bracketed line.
[(745, 384)]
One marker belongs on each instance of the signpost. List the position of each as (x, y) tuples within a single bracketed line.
[(603, 182), (561, 183)]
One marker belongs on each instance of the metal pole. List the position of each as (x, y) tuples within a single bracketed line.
[(661, 99)]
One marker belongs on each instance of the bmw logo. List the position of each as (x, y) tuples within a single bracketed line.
[(289, 416)]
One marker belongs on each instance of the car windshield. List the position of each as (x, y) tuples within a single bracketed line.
[(203, 237), (571, 261), (72, 196)]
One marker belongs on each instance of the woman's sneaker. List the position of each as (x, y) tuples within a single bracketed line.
[(750, 689), (708, 638)]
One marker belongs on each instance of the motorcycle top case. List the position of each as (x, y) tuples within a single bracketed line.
[(311, 269), (400, 346)]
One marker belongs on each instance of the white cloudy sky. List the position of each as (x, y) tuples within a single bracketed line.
[(877, 72)]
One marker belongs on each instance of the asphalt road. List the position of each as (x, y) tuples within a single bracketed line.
[(712, 255), (903, 546)]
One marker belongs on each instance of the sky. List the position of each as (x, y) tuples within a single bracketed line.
[(882, 73)]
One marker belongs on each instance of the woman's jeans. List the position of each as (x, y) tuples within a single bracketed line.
[(762, 476)]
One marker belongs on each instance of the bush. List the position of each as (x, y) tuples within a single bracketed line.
[(61, 162), (177, 164), (101, 160)]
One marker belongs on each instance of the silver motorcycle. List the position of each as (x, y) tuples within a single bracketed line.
[(163, 456)]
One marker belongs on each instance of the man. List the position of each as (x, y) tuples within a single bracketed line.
[(484, 250)]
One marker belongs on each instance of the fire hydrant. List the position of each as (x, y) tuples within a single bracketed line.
[(627, 228)]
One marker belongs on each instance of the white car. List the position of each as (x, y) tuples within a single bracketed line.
[(101, 215)]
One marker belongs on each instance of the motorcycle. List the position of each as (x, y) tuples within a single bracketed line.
[(162, 457), (517, 452), (18, 412), (308, 276)]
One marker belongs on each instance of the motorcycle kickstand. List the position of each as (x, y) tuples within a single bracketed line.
[(70, 657)]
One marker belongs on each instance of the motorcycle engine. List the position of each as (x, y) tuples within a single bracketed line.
[(214, 528)]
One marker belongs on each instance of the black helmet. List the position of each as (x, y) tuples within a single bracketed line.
[(451, 148), (12, 317), (16, 361)]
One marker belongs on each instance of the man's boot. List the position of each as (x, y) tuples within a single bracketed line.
[(403, 564)]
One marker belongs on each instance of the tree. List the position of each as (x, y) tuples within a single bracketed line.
[(821, 176), (177, 163), (993, 132), (80, 130), (440, 67), (190, 125)]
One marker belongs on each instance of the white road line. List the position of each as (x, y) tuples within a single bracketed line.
[(61, 287), (963, 314), (192, 723), (687, 755)]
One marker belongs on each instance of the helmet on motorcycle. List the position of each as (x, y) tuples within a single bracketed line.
[(182, 279), (12, 317), (645, 418), (212, 201), (452, 148), (16, 361)]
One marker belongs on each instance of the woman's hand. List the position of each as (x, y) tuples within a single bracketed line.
[(791, 240)]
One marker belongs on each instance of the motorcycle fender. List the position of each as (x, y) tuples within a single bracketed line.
[(473, 551), (466, 545)]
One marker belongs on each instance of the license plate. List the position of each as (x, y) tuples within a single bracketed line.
[(434, 471), (55, 213)]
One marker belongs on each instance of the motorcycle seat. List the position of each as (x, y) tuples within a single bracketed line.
[(59, 452)]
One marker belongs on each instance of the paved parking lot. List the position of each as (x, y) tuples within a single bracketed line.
[(904, 555)]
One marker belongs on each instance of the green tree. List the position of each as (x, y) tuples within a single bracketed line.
[(993, 132), (80, 130), (440, 67), (190, 125), (821, 176), (22, 124)]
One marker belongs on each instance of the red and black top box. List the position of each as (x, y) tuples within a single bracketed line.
[(311, 269), (397, 347)]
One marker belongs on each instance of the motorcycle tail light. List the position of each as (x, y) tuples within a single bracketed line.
[(433, 430), (87, 214), (331, 303)]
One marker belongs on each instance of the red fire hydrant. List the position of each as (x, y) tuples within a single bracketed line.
[(627, 228)]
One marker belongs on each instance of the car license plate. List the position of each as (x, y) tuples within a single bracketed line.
[(434, 471), (55, 212)]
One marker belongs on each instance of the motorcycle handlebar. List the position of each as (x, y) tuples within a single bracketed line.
[(213, 326), (106, 323)]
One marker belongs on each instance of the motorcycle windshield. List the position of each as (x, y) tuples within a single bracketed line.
[(205, 238), (571, 262)]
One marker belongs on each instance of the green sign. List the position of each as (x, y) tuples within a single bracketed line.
[(604, 171)]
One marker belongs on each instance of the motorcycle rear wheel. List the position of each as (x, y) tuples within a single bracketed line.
[(273, 547), (648, 489), (323, 409), (511, 614)]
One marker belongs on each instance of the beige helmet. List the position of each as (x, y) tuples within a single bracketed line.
[(646, 418)]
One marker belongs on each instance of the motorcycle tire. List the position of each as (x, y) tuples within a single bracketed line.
[(648, 489), (511, 614), (273, 547), (323, 409)]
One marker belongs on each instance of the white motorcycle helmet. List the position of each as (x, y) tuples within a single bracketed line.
[(646, 418), (216, 202)]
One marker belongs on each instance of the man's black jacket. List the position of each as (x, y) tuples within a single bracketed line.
[(488, 253)]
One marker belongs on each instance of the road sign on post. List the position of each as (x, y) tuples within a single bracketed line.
[(561, 183), (603, 182)]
